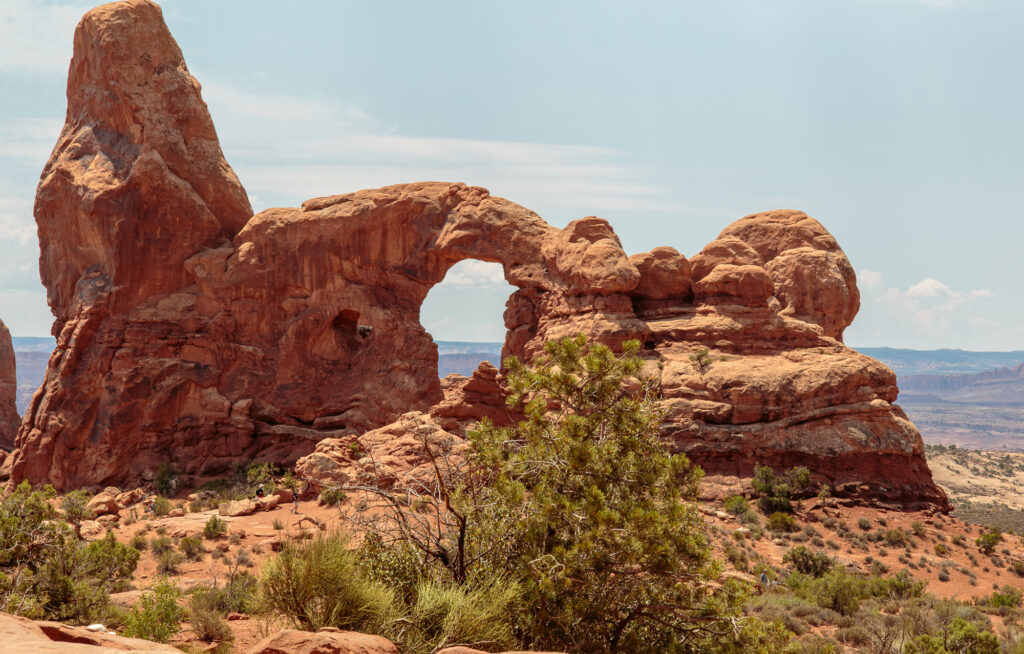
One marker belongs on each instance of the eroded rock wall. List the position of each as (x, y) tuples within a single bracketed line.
[(9, 418), (192, 333)]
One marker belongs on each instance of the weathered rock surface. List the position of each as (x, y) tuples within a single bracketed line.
[(20, 636), (189, 332), (325, 641), (396, 455), (9, 418)]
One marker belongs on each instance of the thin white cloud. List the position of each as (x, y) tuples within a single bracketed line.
[(933, 307), (288, 149), (475, 274), (869, 278)]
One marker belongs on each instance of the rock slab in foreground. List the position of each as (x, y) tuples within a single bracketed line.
[(22, 636), (325, 641), (220, 337)]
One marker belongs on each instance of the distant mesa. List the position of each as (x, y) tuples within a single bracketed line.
[(192, 332)]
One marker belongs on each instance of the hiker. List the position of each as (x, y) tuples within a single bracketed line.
[(295, 501), (260, 492), (764, 581)]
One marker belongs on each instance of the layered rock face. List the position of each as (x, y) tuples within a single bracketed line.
[(9, 418), (192, 333)]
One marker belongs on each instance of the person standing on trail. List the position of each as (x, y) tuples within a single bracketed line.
[(295, 501)]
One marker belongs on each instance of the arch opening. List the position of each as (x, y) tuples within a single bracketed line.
[(464, 314)]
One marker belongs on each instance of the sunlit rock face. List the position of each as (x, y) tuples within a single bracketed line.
[(9, 418), (191, 332)]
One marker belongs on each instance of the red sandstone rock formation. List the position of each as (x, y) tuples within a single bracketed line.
[(192, 333), (9, 418)]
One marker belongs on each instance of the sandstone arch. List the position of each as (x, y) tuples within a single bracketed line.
[(190, 332)]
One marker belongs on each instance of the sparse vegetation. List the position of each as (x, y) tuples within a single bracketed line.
[(157, 615), (215, 528), (776, 491)]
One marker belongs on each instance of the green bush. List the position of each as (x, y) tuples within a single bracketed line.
[(161, 506), (238, 595), (776, 491), (319, 584), (157, 615), (332, 495), (988, 541), (46, 571), (1008, 597), (808, 562), (215, 528), (782, 522), (864, 524), (192, 548), (166, 480), (895, 537), (161, 545), (445, 614), (168, 562), (736, 504)]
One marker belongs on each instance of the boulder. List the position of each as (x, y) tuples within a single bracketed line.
[(325, 641), (10, 421), (92, 530), (267, 503), (20, 635), (104, 503), (238, 508)]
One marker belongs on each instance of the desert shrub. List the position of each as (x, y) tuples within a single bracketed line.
[(319, 584), (332, 495), (941, 550), (736, 504), (1008, 597), (161, 545), (864, 524), (895, 537), (46, 570), (446, 614), (959, 635), (138, 541), (918, 528), (958, 539), (192, 548), (782, 522), (278, 525), (207, 624), (988, 541), (944, 575), (215, 528), (74, 506), (167, 563), (808, 562), (777, 490), (166, 479), (737, 558), (750, 517), (157, 615), (161, 506)]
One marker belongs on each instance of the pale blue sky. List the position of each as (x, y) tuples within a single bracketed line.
[(897, 123)]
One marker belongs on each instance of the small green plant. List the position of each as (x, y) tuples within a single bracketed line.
[(192, 548), (941, 550), (332, 495), (168, 562), (138, 541), (776, 491), (782, 522), (701, 360), (895, 537), (157, 615), (215, 528), (808, 562), (958, 539), (736, 504), (161, 506), (278, 525), (161, 545), (166, 479), (988, 541)]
